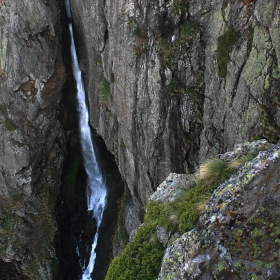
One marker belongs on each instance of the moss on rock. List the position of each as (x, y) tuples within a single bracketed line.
[(224, 48)]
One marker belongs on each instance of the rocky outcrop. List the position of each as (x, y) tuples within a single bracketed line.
[(171, 83), (31, 78), (221, 223), (237, 236)]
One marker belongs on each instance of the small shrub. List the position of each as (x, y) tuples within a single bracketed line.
[(268, 128), (2, 108), (104, 90), (139, 33), (225, 45), (55, 267), (140, 48), (181, 6), (121, 236)]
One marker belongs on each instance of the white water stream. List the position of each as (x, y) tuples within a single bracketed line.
[(96, 189)]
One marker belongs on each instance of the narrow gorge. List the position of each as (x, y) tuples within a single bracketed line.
[(96, 190), (171, 87)]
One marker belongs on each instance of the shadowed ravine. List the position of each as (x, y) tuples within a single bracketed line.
[(96, 190)]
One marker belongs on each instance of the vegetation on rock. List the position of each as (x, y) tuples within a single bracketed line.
[(224, 48), (268, 127), (141, 259), (170, 49), (238, 223), (104, 90), (141, 41)]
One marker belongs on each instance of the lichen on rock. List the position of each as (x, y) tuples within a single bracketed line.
[(236, 236)]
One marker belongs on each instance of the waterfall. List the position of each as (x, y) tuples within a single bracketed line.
[(96, 190)]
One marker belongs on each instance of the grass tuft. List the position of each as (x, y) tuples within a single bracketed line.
[(213, 171)]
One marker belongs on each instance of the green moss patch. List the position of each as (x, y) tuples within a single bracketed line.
[(141, 258), (104, 90), (10, 125), (121, 237), (188, 29), (181, 6), (225, 46), (183, 214), (176, 88)]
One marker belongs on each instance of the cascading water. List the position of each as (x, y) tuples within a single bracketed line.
[(96, 190)]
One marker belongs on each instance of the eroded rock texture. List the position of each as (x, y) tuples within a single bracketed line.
[(171, 83), (31, 77)]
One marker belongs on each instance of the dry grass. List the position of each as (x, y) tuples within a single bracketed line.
[(211, 170), (236, 163)]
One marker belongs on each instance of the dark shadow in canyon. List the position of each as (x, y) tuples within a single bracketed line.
[(76, 228)]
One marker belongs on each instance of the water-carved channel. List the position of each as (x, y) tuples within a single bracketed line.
[(96, 189), (83, 241)]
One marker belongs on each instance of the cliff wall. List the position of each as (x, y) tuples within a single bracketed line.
[(31, 77), (171, 83)]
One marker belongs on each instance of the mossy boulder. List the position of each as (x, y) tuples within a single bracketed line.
[(237, 236)]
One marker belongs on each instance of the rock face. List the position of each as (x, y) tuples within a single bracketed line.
[(237, 236), (31, 77), (171, 83)]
